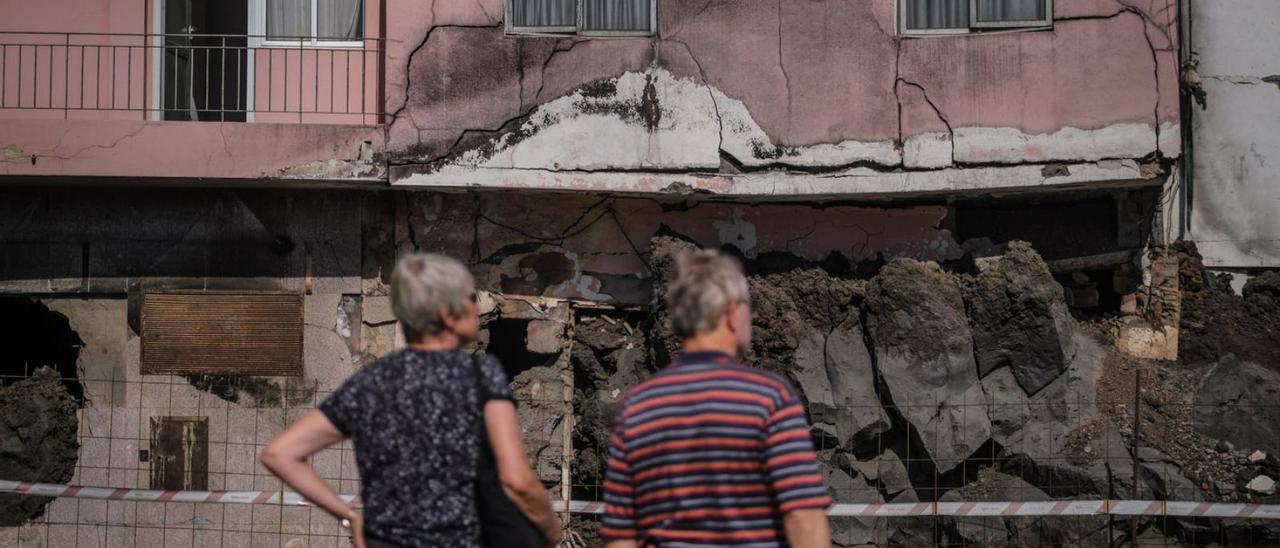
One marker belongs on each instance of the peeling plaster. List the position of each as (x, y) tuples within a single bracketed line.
[(928, 150), (655, 121), (737, 231), (1009, 145), (364, 167)]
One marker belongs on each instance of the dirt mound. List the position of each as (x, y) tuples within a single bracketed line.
[(1215, 322), (663, 252), (38, 427), (788, 308), (807, 328)]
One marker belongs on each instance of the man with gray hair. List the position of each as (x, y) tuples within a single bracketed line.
[(710, 452)]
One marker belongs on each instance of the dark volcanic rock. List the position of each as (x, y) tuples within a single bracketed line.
[(924, 356), (1019, 318), (1014, 531), (807, 328), (1239, 401)]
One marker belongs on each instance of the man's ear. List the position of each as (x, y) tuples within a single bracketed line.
[(730, 314)]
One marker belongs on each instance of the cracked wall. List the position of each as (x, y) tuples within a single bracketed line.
[(728, 87), (137, 149), (596, 249), (1236, 149)]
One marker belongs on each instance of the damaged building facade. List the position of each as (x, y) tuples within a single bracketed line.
[(220, 166)]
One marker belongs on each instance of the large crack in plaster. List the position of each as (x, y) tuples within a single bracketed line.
[(1160, 128), (782, 67), (916, 148)]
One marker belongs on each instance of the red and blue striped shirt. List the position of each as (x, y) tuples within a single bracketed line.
[(709, 452)]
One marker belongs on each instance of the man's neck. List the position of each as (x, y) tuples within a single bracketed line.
[(711, 343)]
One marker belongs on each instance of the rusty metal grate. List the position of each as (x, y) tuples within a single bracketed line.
[(222, 333), (180, 453)]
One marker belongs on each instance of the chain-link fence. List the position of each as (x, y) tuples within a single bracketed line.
[(908, 474)]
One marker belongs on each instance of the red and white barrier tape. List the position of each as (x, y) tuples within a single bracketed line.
[(919, 509)]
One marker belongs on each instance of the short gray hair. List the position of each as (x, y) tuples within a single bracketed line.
[(421, 285), (706, 283)]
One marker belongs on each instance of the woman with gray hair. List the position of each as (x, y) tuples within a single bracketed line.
[(416, 417)]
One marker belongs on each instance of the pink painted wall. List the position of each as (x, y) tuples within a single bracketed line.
[(810, 73), (138, 149), (92, 116)]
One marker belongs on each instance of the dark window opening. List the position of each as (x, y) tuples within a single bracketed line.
[(508, 341), (206, 60)]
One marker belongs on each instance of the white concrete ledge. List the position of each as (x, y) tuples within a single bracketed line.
[(781, 184)]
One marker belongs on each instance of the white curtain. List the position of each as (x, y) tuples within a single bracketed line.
[(288, 19), (339, 19), (937, 14), (616, 15), (544, 13), (1011, 10)]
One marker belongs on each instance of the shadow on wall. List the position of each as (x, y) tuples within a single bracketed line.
[(96, 240)]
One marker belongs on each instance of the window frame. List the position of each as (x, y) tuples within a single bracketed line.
[(974, 24), (1047, 22), (311, 42), (577, 29)]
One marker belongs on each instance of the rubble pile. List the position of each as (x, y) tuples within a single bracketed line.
[(926, 384), (38, 422)]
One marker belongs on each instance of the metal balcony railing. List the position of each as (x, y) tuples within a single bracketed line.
[(191, 77)]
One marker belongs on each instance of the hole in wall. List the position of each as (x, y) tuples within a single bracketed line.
[(508, 341), (33, 337), (40, 396)]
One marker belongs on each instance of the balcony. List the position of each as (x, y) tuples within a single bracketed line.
[(191, 77)]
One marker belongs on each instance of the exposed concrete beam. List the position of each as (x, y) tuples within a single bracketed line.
[(779, 184)]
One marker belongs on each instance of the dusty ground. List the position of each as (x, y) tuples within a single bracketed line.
[(1167, 400), (1214, 323)]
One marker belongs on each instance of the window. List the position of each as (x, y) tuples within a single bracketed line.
[(584, 17), (314, 21), (962, 16)]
